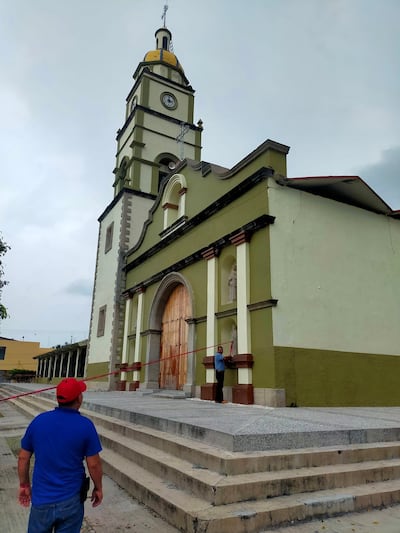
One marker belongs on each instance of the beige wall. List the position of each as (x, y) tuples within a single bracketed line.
[(335, 272), (20, 354)]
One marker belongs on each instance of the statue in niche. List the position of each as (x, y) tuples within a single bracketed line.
[(232, 284)]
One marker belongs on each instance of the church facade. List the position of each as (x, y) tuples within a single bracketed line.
[(297, 278)]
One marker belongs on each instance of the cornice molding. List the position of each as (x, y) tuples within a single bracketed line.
[(247, 184), (154, 113), (146, 73), (226, 313), (122, 192), (253, 226), (262, 305)]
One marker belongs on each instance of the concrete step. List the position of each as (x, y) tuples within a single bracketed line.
[(219, 489), (197, 487), (245, 428), (234, 463), (175, 394), (194, 515)]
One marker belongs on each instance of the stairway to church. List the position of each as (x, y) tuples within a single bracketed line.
[(197, 487)]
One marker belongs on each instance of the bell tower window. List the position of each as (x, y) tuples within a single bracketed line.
[(167, 165)]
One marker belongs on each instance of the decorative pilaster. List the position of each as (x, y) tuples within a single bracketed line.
[(78, 353), (208, 390), (243, 391), (52, 364), (124, 359), (70, 360), (138, 342), (46, 372), (241, 241)]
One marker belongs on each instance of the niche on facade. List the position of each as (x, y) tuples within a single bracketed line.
[(228, 280), (228, 332), (133, 316), (131, 351)]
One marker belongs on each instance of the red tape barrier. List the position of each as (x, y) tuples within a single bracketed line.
[(135, 366)]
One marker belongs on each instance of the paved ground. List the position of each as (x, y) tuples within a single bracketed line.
[(385, 521), (120, 512)]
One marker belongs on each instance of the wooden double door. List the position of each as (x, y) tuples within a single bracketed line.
[(174, 340)]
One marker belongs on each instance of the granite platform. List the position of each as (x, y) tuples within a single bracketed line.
[(244, 427)]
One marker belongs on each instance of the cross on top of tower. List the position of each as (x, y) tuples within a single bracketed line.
[(164, 15)]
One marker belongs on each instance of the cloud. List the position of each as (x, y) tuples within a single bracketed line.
[(80, 287), (321, 77), (14, 108), (384, 176)]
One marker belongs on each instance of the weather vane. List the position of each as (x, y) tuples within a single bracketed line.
[(164, 15)]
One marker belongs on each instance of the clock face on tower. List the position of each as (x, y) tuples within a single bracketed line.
[(169, 101)]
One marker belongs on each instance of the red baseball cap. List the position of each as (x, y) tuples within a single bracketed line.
[(69, 389)]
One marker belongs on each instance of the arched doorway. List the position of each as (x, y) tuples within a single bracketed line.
[(174, 339)]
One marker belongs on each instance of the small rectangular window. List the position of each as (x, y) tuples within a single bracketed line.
[(109, 237), (2, 353), (101, 324)]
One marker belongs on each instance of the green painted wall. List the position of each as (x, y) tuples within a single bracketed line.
[(277, 161), (200, 194), (147, 302), (230, 219), (194, 273), (262, 349), (97, 369), (260, 275), (324, 378), (53, 381), (200, 342), (145, 95), (201, 191)]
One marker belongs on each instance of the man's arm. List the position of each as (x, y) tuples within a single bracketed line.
[(24, 460), (96, 473)]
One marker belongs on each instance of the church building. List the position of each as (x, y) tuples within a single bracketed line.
[(297, 278)]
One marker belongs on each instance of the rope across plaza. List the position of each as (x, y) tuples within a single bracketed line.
[(123, 368)]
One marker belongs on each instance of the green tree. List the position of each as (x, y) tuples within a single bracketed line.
[(3, 250)]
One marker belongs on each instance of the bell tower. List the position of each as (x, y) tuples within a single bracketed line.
[(157, 132), (159, 105)]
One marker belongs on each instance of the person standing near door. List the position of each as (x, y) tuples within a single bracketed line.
[(219, 364)]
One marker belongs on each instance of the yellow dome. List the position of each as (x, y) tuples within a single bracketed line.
[(163, 56)]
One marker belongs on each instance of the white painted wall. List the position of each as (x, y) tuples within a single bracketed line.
[(335, 271), (106, 290), (156, 144), (157, 88), (105, 286), (140, 213)]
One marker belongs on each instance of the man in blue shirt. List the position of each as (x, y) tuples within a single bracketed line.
[(60, 440), (219, 364)]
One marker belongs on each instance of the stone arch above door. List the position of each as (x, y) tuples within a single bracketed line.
[(174, 339), (154, 352)]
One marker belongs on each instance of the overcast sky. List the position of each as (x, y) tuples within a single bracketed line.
[(322, 76)]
